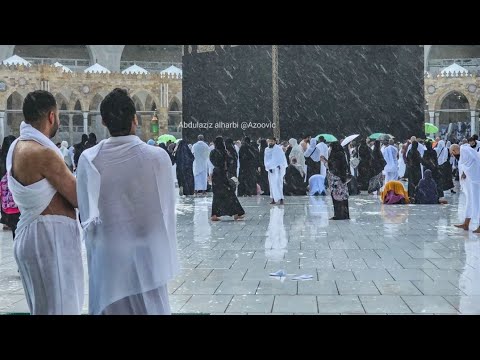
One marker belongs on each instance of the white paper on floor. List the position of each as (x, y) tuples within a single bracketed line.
[(303, 277)]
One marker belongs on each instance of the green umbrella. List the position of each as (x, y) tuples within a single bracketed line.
[(430, 128), (327, 137), (377, 135), (165, 138)]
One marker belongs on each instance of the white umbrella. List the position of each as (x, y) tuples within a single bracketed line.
[(349, 139)]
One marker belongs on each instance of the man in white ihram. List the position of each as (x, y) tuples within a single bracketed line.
[(201, 151), (391, 169), (47, 245), (469, 169), (126, 198), (323, 149), (276, 165)]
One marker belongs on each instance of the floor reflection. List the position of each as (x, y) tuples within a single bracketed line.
[(276, 236), (201, 214), (318, 210)]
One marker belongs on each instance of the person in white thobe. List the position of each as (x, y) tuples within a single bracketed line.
[(47, 246), (126, 198), (201, 151), (323, 150), (297, 153), (469, 169), (390, 153), (276, 165)]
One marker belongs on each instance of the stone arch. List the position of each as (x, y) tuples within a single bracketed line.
[(138, 103), (151, 103), (95, 102), (61, 101), (174, 116), (146, 99), (63, 105), (455, 108), (175, 104), (145, 109), (19, 91), (13, 114), (444, 94), (94, 117)]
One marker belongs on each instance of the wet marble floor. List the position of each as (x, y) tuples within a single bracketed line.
[(400, 259)]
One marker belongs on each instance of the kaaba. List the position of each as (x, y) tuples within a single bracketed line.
[(334, 89)]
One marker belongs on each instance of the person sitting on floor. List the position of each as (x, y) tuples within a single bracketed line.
[(394, 193), (316, 185), (293, 181), (426, 190)]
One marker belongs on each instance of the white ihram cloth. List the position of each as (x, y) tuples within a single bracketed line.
[(201, 151), (126, 200), (316, 184), (442, 152), (275, 161), (469, 164), (391, 168), (47, 248), (401, 164), (323, 151), (297, 153)]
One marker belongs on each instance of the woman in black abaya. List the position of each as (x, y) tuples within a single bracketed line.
[(224, 202), (337, 181), (414, 170), (263, 174), (184, 160)]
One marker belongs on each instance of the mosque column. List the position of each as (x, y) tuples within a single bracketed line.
[(70, 128), (437, 119), (162, 120), (432, 120), (473, 122), (162, 110), (85, 122), (2, 125)]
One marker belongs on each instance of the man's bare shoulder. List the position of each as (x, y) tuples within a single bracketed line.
[(34, 154), (33, 148)]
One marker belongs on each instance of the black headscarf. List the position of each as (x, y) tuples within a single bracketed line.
[(7, 142), (430, 159), (414, 155), (231, 148), (219, 144), (426, 192), (337, 162), (378, 161), (184, 156), (218, 156)]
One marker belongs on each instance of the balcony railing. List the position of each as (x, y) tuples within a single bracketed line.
[(435, 66), (151, 66), (79, 65), (72, 64)]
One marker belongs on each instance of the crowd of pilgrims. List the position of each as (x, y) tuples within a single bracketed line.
[(308, 166)]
